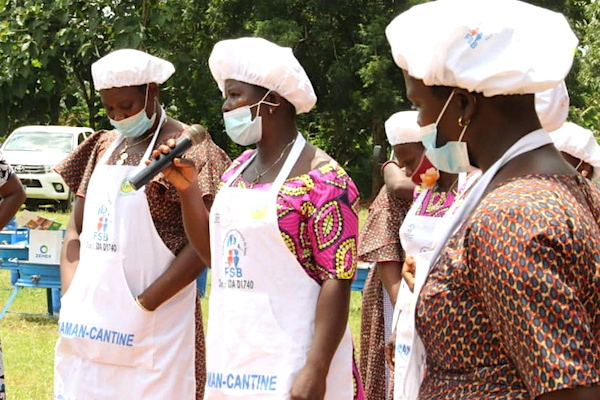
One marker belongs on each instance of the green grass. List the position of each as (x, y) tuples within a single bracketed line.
[(28, 341)]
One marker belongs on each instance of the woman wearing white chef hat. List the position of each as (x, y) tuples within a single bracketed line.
[(509, 307), (282, 238), (130, 319)]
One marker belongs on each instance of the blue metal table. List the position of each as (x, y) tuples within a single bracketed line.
[(30, 274), (362, 271)]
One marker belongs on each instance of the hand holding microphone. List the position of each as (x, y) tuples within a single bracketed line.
[(167, 156)]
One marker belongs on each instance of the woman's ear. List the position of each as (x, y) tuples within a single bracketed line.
[(468, 102), (153, 91), (274, 98)]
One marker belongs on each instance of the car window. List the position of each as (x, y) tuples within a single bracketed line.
[(81, 137), (40, 141)]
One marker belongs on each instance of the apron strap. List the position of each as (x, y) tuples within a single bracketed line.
[(241, 169), (417, 203), (289, 163), (529, 142)]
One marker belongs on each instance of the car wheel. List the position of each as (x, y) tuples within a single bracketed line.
[(67, 205), (32, 204)]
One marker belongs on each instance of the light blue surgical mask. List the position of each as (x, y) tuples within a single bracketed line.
[(136, 125), (452, 157), (240, 126)]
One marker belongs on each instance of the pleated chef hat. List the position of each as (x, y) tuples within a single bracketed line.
[(262, 63), (579, 143), (402, 127), (494, 47), (552, 107), (129, 67)]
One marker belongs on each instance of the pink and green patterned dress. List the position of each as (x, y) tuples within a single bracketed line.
[(318, 220)]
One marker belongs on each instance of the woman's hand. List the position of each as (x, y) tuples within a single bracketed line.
[(390, 350), (408, 272), (182, 173), (309, 385)]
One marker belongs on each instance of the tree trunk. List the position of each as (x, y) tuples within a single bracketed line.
[(54, 111), (379, 138), (89, 99)]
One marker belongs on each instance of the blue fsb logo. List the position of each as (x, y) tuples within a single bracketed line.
[(233, 250)]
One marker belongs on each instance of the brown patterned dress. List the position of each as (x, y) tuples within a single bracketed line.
[(163, 202), (511, 308), (378, 242)]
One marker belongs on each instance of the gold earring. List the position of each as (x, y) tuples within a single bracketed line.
[(461, 123), (271, 111)]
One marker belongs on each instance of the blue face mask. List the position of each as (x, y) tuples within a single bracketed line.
[(452, 157), (240, 126), (136, 125)]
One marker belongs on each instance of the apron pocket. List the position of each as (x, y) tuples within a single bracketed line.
[(257, 344), (100, 321)]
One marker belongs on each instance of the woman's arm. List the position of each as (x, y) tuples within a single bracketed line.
[(69, 255), (330, 324), (195, 220), (397, 183), (186, 267), (580, 393), (13, 196), (184, 176), (390, 274), (195, 256)]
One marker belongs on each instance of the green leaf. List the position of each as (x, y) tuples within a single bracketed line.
[(47, 83)]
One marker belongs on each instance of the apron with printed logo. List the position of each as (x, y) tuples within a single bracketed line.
[(262, 303), (417, 239), (109, 347)]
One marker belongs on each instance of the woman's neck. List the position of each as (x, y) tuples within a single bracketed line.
[(447, 182), (496, 131), (276, 138)]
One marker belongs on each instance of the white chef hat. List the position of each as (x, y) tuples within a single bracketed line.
[(129, 67), (262, 63), (494, 47), (552, 107), (402, 127), (579, 143)]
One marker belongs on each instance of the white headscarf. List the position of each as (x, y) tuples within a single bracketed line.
[(262, 63), (579, 143), (129, 67), (402, 127), (552, 107), (490, 47)]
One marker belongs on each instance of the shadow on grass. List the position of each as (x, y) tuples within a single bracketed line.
[(31, 318)]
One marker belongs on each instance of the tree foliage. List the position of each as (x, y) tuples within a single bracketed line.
[(47, 48)]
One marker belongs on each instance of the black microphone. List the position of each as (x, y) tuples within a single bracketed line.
[(193, 135)]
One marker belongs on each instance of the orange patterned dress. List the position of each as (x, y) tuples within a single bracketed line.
[(511, 309)]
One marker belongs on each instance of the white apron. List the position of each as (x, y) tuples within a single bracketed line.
[(108, 347), (417, 356), (262, 303), (417, 239)]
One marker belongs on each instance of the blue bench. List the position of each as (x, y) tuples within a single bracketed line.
[(35, 275), (14, 257), (14, 236)]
